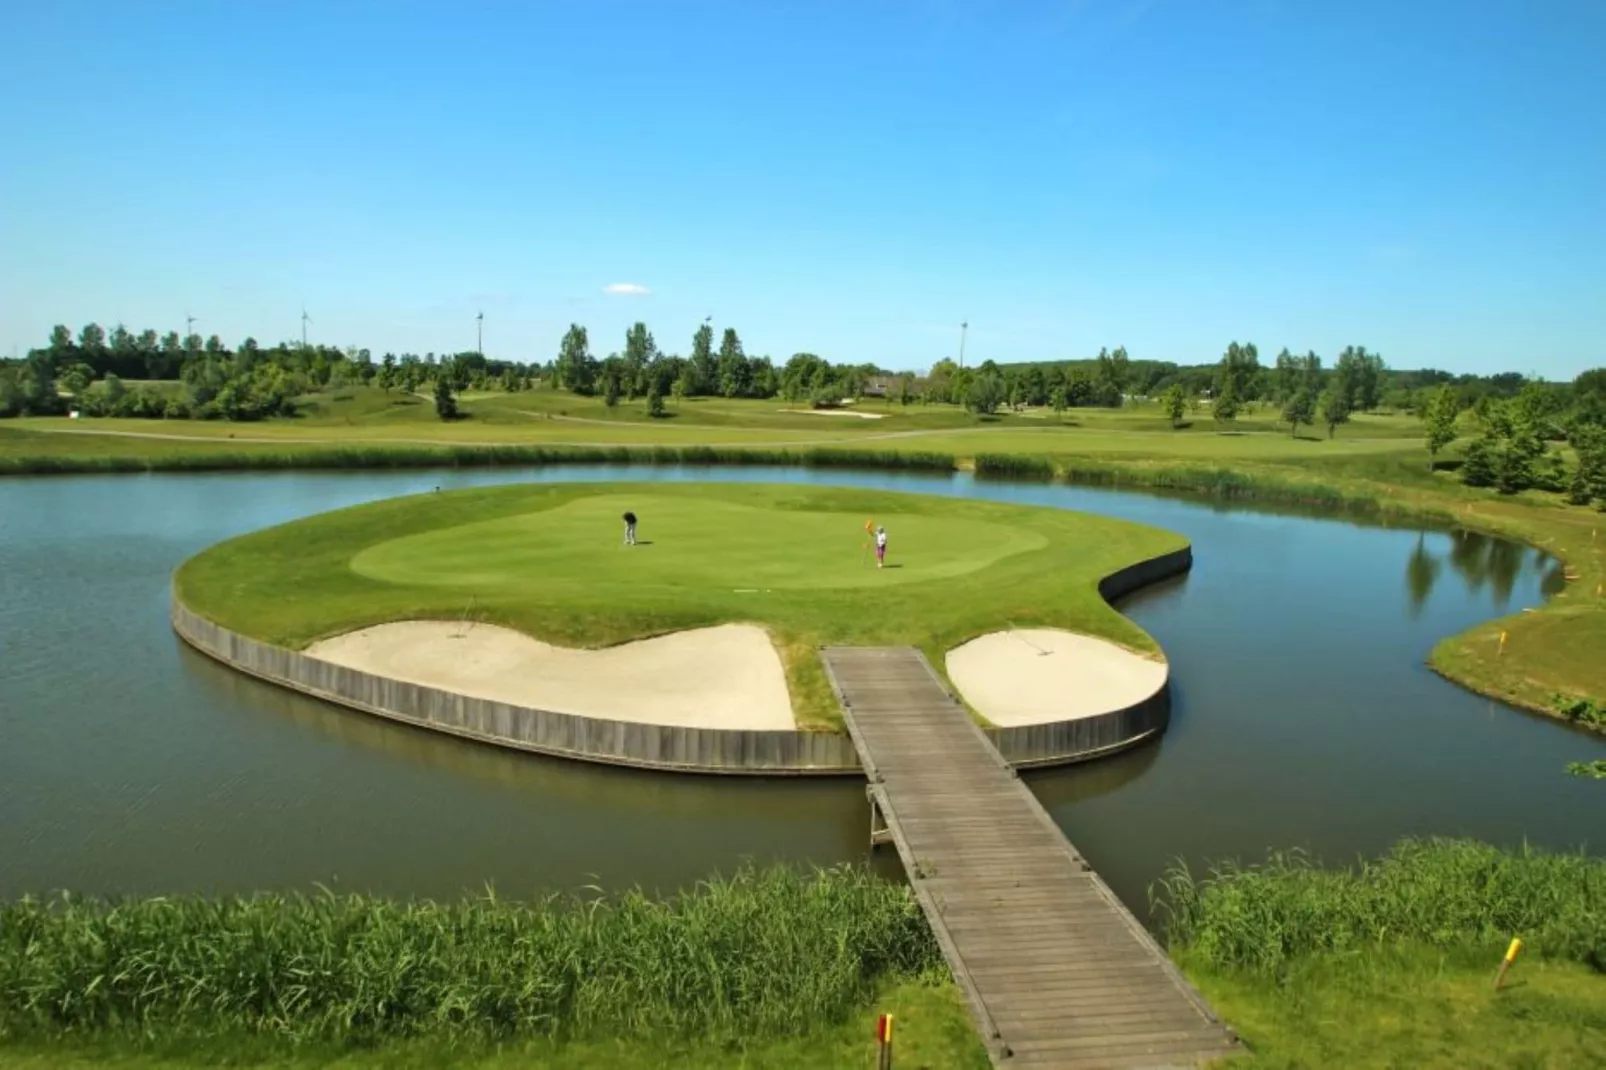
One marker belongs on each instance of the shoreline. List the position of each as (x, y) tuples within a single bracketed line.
[(1456, 658)]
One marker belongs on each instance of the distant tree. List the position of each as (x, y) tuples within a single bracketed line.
[(1225, 408), (1175, 403), (76, 379), (1240, 365), (1059, 399), (1285, 380), (734, 371), (1335, 404), (1440, 416), (677, 391), (704, 376), (1299, 409), (445, 403), (575, 370), (387, 372), (906, 390), (655, 401), (610, 388), (985, 394)]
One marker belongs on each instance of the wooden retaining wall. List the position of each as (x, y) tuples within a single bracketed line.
[(1065, 742), (668, 747)]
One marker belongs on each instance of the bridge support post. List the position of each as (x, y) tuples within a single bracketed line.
[(879, 832)]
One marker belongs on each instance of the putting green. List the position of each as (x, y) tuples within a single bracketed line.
[(693, 543), (548, 560)]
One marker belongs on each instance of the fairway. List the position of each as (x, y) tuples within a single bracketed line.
[(695, 542), (548, 561)]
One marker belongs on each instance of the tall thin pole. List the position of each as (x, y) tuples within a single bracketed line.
[(963, 327), (189, 332), (479, 334), (303, 326)]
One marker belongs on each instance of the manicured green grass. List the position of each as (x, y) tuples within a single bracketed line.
[(547, 559)]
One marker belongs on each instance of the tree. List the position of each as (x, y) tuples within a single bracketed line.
[(985, 394), (734, 371), (445, 403), (610, 387), (1059, 398), (77, 378), (387, 372), (1440, 416), (1175, 403), (655, 401), (1299, 409), (640, 352), (1240, 366), (1335, 404), (906, 390), (1286, 379), (704, 373), (1225, 408), (575, 370)]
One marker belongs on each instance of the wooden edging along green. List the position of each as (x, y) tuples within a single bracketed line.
[(670, 748)]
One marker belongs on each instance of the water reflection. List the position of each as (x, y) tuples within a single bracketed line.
[(1421, 573)]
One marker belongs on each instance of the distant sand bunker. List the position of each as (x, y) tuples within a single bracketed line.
[(724, 677), (1004, 676), (836, 412)]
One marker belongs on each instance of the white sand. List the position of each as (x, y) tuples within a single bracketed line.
[(837, 412), (1005, 678), (724, 677)]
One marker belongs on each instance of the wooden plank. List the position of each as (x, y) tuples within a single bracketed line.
[(1053, 967)]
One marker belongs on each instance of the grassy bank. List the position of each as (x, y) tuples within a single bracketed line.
[(1391, 963)]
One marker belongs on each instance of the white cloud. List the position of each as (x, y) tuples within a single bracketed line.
[(626, 289)]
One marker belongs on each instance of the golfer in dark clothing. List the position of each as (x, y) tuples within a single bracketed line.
[(630, 529)]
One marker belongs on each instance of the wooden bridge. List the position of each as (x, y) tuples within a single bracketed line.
[(1057, 972)]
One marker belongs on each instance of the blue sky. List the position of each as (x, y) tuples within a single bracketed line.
[(1425, 178)]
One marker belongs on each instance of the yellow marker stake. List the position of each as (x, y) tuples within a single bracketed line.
[(1505, 963), (1502, 649)]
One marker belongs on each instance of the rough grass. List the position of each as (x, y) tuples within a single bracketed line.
[(771, 953), (545, 559), (1391, 963), (932, 1030), (1435, 893)]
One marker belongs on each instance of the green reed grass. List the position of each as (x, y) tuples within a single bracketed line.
[(776, 951), (1437, 893), (1013, 466), (204, 459)]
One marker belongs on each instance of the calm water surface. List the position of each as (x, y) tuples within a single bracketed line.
[(1304, 715)]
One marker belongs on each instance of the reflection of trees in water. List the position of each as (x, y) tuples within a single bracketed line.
[(1421, 573), (597, 786), (1485, 560), (1468, 552)]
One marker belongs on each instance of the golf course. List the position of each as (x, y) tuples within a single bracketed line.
[(795, 565)]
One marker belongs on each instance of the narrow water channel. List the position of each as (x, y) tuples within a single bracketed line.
[(1304, 716)]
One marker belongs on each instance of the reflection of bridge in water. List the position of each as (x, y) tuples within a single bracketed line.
[(1057, 972)]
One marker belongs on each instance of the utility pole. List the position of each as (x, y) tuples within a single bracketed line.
[(305, 319), (479, 335), (963, 327), (189, 332)]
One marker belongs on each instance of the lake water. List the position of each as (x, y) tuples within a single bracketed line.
[(1304, 716)]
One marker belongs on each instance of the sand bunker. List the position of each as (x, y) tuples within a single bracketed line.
[(837, 412), (724, 677), (1036, 675)]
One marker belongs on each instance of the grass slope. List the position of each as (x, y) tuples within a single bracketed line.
[(547, 559)]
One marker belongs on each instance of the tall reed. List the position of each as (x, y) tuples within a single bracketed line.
[(1437, 892), (774, 950), (460, 455)]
